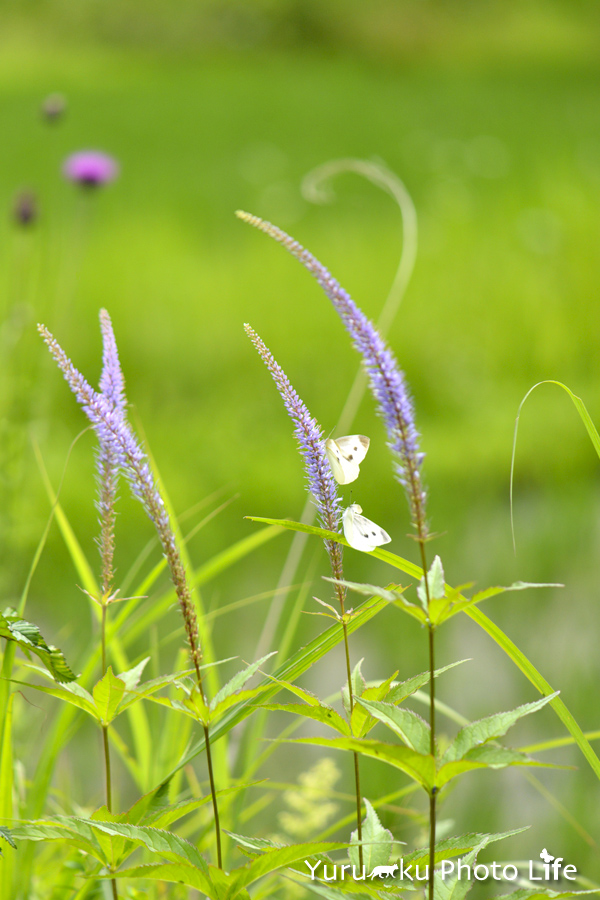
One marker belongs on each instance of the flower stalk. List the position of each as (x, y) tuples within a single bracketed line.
[(106, 412), (388, 386), (323, 488)]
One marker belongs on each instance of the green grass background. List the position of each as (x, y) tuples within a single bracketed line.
[(489, 113)]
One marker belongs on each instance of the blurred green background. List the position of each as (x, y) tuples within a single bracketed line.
[(489, 113)]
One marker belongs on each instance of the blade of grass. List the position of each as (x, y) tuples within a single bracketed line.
[(584, 416)]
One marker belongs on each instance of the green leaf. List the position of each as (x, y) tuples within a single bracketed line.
[(66, 829), (404, 689), (490, 728), (108, 693), (131, 678), (147, 688), (7, 836), (487, 757), (322, 713), (70, 693), (458, 845), (28, 637), (453, 888), (275, 859), (237, 682), (178, 873), (435, 585), (419, 767), (358, 686), (360, 721), (377, 841), (410, 728), (157, 840)]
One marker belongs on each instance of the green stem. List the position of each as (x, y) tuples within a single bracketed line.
[(213, 792), (113, 882), (211, 776), (433, 794), (356, 768)]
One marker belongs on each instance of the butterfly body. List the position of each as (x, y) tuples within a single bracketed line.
[(360, 532), (345, 455)]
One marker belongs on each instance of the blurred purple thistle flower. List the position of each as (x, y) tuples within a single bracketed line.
[(106, 414), (386, 379), (90, 168), (311, 444)]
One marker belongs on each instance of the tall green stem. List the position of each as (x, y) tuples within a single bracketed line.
[(356, 768), (209, 763), (105, 743), (433, 794)]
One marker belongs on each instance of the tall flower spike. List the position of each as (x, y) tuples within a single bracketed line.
[(113, 432), (323, 487), (311, 444), (112, 388), (386, 379)]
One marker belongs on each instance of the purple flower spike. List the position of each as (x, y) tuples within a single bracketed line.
[(386, 379), (107, 416), (112, 388), (311, 444), (90, 168), (112, 382)]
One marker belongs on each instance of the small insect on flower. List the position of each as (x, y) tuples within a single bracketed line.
[(345, 454), (360, 532)]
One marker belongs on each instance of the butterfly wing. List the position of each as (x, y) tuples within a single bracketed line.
[(360, 532), (345, 454)]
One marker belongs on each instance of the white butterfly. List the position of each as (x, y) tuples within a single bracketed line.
[(345, 454), (361, 533)]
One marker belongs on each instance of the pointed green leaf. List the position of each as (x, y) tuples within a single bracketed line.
[(324, 714), (238, 681), (435, 585), (452, 887), (377, 841), (404, 689), (29, 639), (488, 756), (157, 840), (7, 836), (108, 693), (360, 721), (419, 767), (276, 859), (490, 728), (240, 697), (458, 845), (131, 678), (358, 686), (147, 688), (177, 873), (65, 829), (71, 693), (410, 728)]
